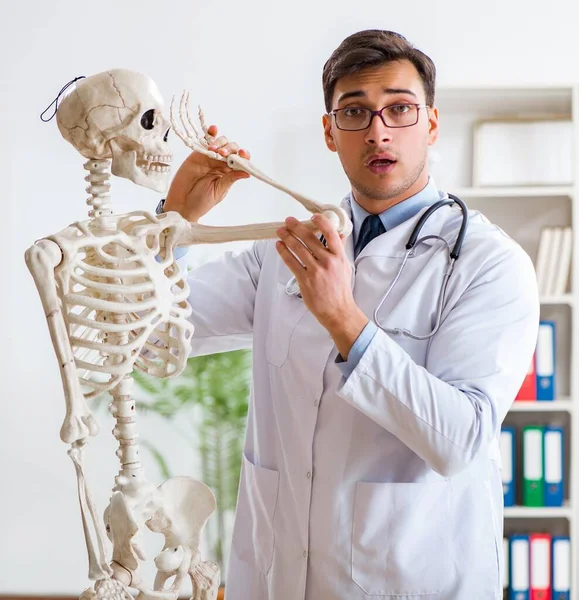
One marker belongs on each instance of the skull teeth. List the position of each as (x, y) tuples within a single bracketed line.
[(161, 158), (157, 163)]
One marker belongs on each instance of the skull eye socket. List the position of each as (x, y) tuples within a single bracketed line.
[(148, 119)]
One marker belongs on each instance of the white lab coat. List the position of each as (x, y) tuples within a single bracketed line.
[(388, 483)]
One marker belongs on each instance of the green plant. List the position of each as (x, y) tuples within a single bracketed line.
[(211, 397)]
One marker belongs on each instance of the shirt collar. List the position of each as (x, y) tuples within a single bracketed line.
[(398, 213)]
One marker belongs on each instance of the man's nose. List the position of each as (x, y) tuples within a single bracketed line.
[(377, 132)]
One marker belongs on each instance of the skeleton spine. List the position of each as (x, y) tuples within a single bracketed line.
[(98, 190), (122, 406), (125, 431)]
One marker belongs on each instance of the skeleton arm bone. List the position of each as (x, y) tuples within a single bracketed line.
[(42, 259), (206, 234), (193, 139), (238, 163)]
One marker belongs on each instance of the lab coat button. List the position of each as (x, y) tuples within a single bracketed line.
[(305, 553), (316, 402), (309, 475)]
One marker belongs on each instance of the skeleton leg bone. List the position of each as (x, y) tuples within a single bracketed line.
[(98, 567)]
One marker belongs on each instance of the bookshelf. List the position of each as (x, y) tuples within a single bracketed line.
[(522, 211)]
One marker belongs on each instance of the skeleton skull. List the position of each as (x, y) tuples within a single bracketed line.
[(118, 114)]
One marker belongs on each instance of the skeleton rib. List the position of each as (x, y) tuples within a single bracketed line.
[(113, 288), (116, 260), (106, 272), (108, 326), (107, 348), (117, 369), (109, 305)]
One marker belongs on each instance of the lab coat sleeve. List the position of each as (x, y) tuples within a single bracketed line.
[(357, 350), (451, 410), (222, 298)]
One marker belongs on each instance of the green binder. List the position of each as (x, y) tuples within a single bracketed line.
[(533, 466)]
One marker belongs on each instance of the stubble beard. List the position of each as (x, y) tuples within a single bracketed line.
[(380, 193)]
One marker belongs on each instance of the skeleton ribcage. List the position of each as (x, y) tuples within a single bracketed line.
[(124, 300)]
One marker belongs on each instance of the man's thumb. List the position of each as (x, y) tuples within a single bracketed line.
[(227, 180)]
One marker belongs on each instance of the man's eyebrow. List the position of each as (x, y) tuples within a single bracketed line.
[(362, 93)]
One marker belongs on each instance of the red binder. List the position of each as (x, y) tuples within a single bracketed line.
[(540, 566), (528, 390)]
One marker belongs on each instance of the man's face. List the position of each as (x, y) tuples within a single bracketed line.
[(365, 155)]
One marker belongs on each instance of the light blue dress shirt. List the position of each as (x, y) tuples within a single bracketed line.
[(391, 217)]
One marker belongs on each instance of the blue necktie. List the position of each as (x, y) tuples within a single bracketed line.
[(371, 228)]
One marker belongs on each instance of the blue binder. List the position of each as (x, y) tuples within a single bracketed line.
[(545, 361), (519, 567), (561, 562), (508, 461), (553, 444)]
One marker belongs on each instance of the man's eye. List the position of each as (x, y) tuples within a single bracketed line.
[(353, 112), (400, 108)]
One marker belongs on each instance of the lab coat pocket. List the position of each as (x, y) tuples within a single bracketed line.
[(286, 312), (401, 539), (253, 536)]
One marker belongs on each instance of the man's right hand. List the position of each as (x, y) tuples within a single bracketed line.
[(202, 182)]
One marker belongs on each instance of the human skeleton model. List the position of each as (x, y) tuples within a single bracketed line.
[(115, 300)]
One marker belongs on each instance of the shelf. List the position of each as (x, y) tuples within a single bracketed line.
[(564, 299), (515, 192), (507, 100), (544, 512), (522, 211), (563, 405)]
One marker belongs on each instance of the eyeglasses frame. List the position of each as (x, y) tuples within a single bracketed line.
[(374, 113)]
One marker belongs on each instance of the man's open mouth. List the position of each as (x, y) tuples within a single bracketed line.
[(380, 166), (380, 162)]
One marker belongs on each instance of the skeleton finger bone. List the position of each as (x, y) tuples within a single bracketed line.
[(208, 137), (189, 137)]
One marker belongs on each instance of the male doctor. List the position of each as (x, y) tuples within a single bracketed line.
[(371, 465)]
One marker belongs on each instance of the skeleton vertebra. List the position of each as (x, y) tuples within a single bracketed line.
[(115, 300)]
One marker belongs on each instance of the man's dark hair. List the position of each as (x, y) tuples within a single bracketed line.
[(373, 48)]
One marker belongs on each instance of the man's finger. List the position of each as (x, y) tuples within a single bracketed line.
[(293, 264), (333, 241), (297, 247), (307, 236)]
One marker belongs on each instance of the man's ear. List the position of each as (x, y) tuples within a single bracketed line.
[(328, 135), (432, 125)]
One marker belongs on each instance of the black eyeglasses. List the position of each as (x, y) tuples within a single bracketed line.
[(355, 118)]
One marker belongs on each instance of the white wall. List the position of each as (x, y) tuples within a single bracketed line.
[(256, 68)]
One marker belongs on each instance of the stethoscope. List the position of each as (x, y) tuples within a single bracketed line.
[(292, 288)]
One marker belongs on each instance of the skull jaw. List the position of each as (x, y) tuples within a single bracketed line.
[(124, 164)]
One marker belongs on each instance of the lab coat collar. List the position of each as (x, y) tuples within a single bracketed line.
[(392, 243)]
